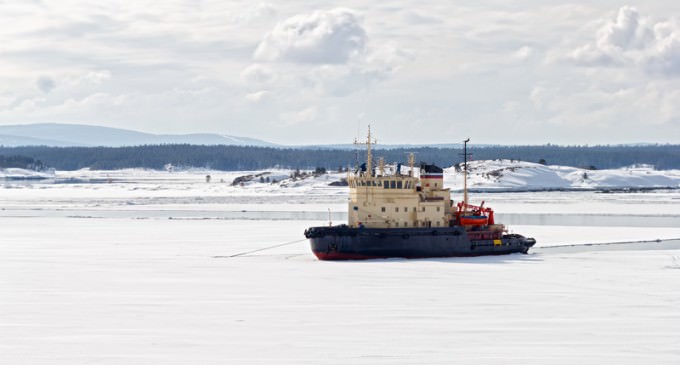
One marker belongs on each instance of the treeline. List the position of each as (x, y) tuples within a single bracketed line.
[(232, 158), (22, 162)]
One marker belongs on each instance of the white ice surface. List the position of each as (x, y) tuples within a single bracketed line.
[(141, 288)]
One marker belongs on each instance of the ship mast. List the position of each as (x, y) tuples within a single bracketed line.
[(369, 157), (465, 155)]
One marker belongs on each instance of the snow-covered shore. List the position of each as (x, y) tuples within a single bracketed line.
[(522, 176), (24, 174), (488, 175)]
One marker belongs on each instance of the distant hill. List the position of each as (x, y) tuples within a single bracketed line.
[(78, 135)]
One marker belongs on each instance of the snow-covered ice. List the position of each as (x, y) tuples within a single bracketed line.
[(138, 271)]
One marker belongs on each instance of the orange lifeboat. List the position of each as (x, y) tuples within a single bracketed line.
[(478, 215), (474, 220)]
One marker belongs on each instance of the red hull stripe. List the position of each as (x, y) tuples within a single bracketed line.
[(431, 176), (353, 256), (344, 256)]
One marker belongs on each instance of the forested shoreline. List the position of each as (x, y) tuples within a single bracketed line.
[(234, 158)]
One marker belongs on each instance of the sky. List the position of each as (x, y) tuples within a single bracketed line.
[(319, 72)]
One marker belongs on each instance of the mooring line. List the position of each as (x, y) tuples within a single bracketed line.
[(608, 243), (259, 249), (657, 244)]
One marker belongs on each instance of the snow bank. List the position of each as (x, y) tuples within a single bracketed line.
[(518, 175), (489, 175), (24, 174)]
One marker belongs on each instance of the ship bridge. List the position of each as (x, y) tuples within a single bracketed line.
[(399, 200)]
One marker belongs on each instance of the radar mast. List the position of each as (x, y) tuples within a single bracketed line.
[(369, 157)]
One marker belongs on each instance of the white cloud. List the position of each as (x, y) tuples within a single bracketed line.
[(29, 105), (626, 31), (665, 57), (303, 116), (604, 104), (6, 101), (80, 80), (632, 40), (97, 77), (92, 102), (257, 96), (239, 67), (386, 58), (257, 74), (343, 80), (257, 12), (522, 53), (373, 65), (330, 37)]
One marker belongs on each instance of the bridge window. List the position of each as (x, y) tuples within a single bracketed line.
[(396, 209), (387, 184), (399, 186), (438, 209), (383, 209), (393, 184)]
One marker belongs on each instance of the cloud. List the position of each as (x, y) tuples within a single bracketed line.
[(626, 31), (412, 16), (342, 80), (6, 101), (92, 102), (606, 104), (631, 40), (303, 116), (522, 53), (386, 58), (257, 74), (320, 37), (375, 65), (45, 84), (97, 77), (257, 12), (665, 57), (325, 52), (257, 96)]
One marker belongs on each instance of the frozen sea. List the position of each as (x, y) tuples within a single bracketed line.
[(147, 267)]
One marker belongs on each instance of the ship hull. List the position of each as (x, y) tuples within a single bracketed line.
[(346, 243)]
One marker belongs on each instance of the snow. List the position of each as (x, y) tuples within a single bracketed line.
[(17, 173), (134, 267), (518, 175)]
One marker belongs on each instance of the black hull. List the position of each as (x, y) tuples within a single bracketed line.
[(345, 243)]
